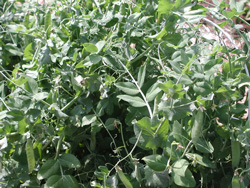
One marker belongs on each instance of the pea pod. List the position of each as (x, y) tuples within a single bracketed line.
[(197, 127), (235, 146), (30, 155), (123, 9), (48, 23), (93, 141), (235, 182), (123, 178), (26, 20)]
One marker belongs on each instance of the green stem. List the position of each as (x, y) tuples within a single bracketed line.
[(186, 149), (71, 102), (154, 151), (113, 140), (245, 22), (123, 141), (4, 104), (138, 87), (58, 147), (142, 54), (130, 153), (5, 71)]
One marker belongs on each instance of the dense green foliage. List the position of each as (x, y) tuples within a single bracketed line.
[(122, 94)]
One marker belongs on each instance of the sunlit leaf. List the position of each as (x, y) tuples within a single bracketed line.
[(127, 87), (134, 101), (88, 119), (49, 168), (89, 47), (156, 179), (29, 52), (200, 160), (70, 161)]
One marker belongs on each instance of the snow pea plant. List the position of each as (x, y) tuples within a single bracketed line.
[(124, 94)]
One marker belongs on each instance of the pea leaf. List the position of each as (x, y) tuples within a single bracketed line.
[(156, 162), (141, 75), (133, 101), (88, 119), (63, 181), (28, 52), (185, 181), (200, 160), (31, 86), (48, 169), (70, 161), (127, 87), (89, 47), (156, 179)]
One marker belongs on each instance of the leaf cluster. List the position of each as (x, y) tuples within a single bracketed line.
[(122, 94)]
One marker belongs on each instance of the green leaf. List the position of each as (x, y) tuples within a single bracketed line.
[(153, 132), (48, 169), (200, 160), (185, 181), (127, 87), (94, 58), (70, 161), (164, 7), (89, 47), (15, 28), (45, 57), (88, 119), (13, 50), (89, 61), (204, 146), (178, 110), (22, 126), (181, 4), (177, 131), (180, 167), (21, 80), (40, 96), (141, 75), (156, 179), (29, 52), (15, 115), (182, 176), (65, 30), (54, 181), (237, 5), (110, 61), (152, 92), (3, 143), (156, 162), (31, 86), (63, 181), (55, 109), (162, 130), (133, 101), (3, 114), (145, 125)]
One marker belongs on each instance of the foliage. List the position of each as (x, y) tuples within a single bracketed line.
[(122, 94)]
